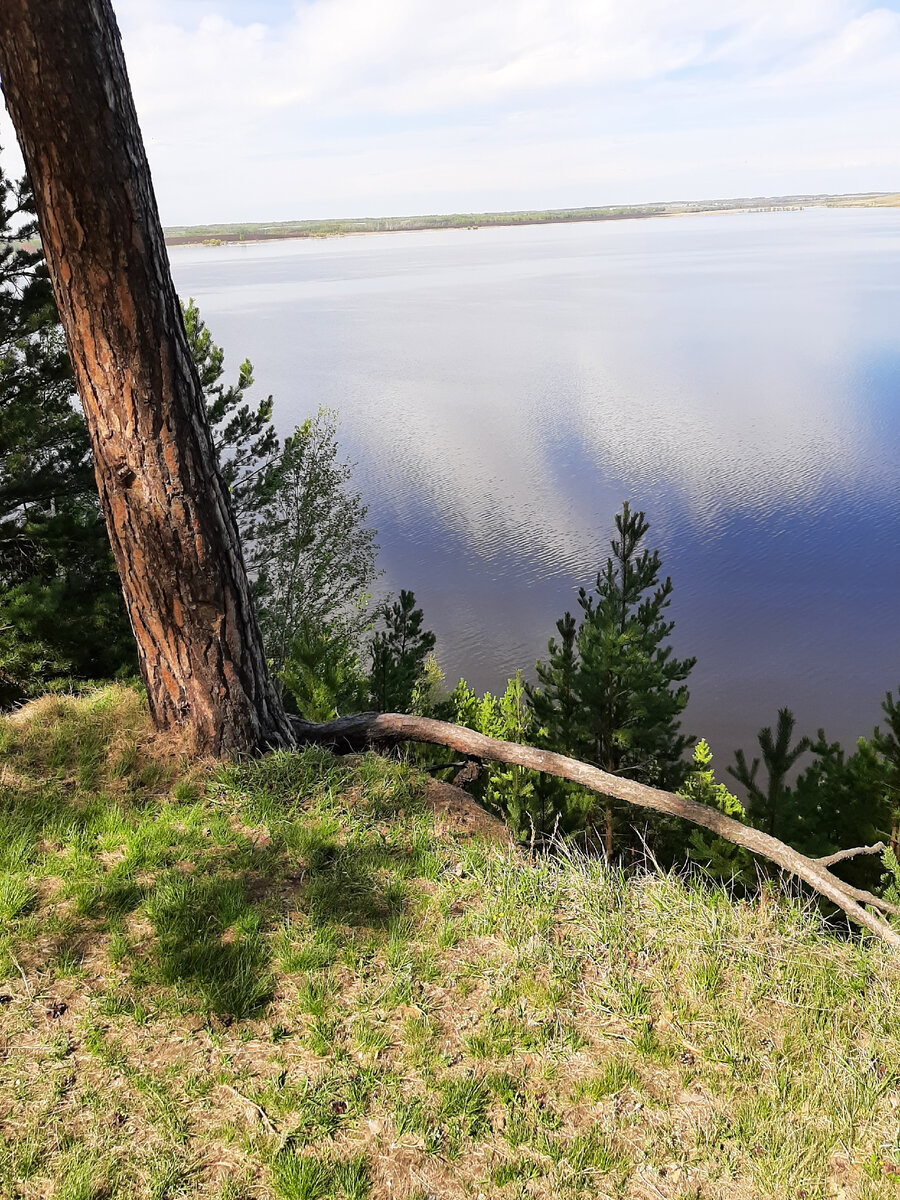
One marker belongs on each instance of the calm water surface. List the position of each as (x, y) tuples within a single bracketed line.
[(502, 391)]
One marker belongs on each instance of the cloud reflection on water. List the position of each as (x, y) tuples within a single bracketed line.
[(504, 390)]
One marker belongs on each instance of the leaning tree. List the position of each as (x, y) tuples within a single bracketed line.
[(167, 511)]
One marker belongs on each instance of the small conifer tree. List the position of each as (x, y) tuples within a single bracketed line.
[(890, 881), (322, 676), (887, 744), (513, 792), (768, 804), (611, 693), (840, 800), (399, 654), (243, 433), (720, 859)]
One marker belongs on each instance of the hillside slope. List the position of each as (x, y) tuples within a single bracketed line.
[(303, 978)]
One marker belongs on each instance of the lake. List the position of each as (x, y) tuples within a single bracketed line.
[(502, 391)]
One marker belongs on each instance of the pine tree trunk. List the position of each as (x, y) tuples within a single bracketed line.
[(170, 524)]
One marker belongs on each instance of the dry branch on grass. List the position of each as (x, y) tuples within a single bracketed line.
[(365, 729)]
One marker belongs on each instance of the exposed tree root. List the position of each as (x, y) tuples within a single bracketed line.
[(366, 729)]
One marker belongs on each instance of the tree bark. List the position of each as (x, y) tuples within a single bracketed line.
[(363, 729), (170, 524)]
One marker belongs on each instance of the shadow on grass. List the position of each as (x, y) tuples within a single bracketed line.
[(209, 944), (358, 884), (213, 901)]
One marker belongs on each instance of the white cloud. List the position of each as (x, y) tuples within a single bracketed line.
[(261, 110)]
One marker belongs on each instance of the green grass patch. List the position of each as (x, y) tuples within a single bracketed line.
[(275, 979)]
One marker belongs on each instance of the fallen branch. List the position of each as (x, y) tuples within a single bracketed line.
[(360, 730), (830, 859), (867, 898)]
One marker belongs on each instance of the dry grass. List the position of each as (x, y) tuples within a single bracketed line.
[(281, 980)]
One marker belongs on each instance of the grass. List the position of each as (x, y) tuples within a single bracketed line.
[(276, 979)]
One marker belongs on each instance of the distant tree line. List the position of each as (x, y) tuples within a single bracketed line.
[(218, 234)]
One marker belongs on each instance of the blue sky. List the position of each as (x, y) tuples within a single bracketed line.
[(267, 110)]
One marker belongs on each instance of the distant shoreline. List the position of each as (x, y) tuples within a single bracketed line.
[(237, 232)]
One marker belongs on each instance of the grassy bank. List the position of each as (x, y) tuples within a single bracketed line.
[(294, 978)]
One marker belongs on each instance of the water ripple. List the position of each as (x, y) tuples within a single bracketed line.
[(502, 393)]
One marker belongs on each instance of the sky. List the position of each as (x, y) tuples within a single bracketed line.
[(263, 110)]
